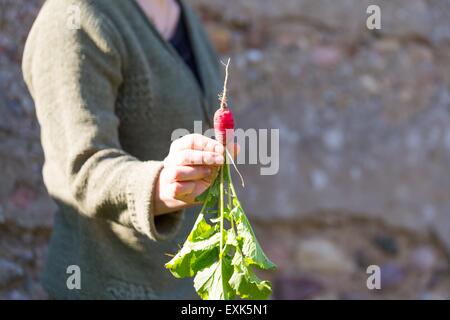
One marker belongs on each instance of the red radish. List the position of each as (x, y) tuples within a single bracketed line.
[(223, 118), (223, 121)]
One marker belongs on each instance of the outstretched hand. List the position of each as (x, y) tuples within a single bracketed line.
[(189, 169)]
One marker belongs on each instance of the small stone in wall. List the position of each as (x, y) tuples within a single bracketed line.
[(320, 255), (9, 272), (221, 37), (355, 173), (386, 243), (254, 55), (423, 258), (392, 275), (296, 287), (23, 197), (369, 84), (447, 140), (333, 139), (326, 56), (319, 179), (17, 295)]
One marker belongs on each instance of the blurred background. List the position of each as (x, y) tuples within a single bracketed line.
[(364, 120)]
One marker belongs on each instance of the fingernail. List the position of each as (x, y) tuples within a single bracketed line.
[(218, 159)]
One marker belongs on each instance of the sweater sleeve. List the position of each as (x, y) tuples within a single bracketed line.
[(74, 75)]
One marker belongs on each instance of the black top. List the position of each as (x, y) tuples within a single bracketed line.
[(182, 44)]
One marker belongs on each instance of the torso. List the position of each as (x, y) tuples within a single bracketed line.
[(158, 94)]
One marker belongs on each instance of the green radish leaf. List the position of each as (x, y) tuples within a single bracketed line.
[(244, 281), (231, 238), (215, 220), (254, 255), (201, 229), (217, 275), (212, 283), (194, 256), (226, 215), (202, 197), (226, 173)]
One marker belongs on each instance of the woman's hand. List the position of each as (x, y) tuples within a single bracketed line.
[(189, 169)]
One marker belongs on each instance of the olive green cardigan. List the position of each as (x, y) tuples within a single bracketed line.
[(108, 96)]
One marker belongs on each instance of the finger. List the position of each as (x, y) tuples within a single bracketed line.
[(200, 186), (181, 190), (186, 173), (197, 142), (193, 157), (210, 178)]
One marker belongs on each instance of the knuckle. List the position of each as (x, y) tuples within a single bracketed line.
[(196, 136), (199, 140), (190, 171), (166, 162), (170, 161), (186, 156), (176, 174), (196, 157), (212, 145), (190, 141), (174, 145)]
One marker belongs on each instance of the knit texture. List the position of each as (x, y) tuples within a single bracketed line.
[(108, 96)]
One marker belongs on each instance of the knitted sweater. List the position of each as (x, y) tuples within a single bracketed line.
[(108, 96)]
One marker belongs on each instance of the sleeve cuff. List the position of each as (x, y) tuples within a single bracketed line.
[(140, 201)]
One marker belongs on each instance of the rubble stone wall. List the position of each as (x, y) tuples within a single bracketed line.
[(364, 120)]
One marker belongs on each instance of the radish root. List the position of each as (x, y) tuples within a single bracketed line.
[(235, 167), (223, 96), (223, 104)]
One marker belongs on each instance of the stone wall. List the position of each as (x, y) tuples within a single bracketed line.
[(364, 143)]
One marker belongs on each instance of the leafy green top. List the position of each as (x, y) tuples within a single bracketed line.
[(222, 259)]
